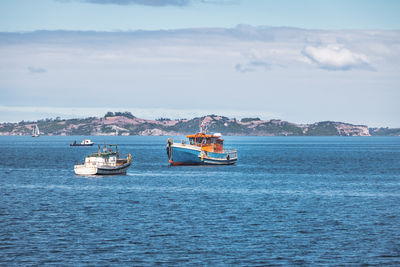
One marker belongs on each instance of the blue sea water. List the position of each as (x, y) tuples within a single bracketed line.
[(288, 201)]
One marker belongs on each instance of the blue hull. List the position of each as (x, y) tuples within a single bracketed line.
[(187, 156), (184, 156)]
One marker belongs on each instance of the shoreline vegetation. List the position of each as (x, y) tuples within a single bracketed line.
[(124, 123)]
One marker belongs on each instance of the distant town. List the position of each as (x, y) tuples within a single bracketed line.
[(125, 123)]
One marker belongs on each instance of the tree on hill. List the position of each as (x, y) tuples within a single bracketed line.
[(126, 114), (250, 119)]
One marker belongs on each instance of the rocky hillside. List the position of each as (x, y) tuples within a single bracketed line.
[(385, 131), (124, 123)]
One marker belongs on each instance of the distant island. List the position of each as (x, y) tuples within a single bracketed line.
[(124, 123)]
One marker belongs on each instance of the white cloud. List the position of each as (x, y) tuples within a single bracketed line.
[(335, 57), (252, 66), (36, 69), (155, 2), (243, 69), (166, 69), (137, 2)]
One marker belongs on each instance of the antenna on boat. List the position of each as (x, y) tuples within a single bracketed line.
[(200, 126), (116, 148), (203, 125)]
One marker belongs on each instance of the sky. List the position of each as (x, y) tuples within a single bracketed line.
[(301, 61)]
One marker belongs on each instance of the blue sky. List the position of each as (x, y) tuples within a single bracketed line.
[(28, 15), (302, 61)]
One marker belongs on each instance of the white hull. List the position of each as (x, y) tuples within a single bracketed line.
[(93, 170), (85, 170)]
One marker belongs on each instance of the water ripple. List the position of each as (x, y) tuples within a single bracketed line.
[(288, 201)]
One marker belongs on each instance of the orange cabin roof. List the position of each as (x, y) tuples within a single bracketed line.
[(199, 135), (203, 135)]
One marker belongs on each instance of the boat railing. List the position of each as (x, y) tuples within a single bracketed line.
[(231, 152), (127, 157)]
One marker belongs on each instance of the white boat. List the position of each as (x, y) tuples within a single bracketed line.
[(35, 131), (85, 142), (104, 162)]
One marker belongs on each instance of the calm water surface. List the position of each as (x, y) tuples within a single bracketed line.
[(289, 200)]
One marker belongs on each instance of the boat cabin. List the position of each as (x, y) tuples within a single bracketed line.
[(86, 142), (107, 157), (208, 142)]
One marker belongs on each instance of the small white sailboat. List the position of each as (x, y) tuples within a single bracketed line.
[(35, 131)]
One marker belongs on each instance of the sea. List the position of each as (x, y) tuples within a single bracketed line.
[(288, 201)]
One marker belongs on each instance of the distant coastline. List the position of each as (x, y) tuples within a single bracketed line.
[(124, 123)]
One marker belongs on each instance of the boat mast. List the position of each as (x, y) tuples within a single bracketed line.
[(35, 131)]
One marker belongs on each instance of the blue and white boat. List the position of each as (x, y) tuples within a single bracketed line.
[(202, 149)]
